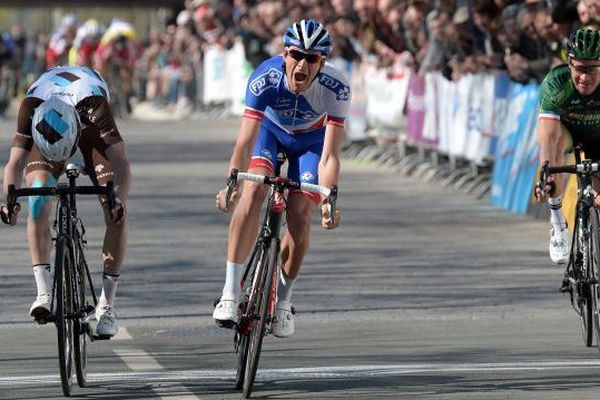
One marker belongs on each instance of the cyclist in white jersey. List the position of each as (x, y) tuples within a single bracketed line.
[(66, 108), (298, 103)]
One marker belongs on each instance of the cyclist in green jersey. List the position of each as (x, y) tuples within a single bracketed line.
[(569, 115)]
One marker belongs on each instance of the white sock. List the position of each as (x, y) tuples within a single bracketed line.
[(285, 286), (557, 218), (43, 278), (233, 279), (109, 289)]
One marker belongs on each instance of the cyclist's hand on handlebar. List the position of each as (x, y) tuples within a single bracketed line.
[(326, 222), (8, 217), (118, 212), (220, 200), (542, 192)]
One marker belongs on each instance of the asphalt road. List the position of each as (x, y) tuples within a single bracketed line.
[(424, 293)]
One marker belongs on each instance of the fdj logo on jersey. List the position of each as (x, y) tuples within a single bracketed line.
[(265, 81), (342, 91)]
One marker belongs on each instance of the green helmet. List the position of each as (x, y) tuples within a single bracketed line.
[(584, 44)]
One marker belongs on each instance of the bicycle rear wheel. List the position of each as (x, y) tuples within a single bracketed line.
[(260, 310), (80, 330), (64, 311)]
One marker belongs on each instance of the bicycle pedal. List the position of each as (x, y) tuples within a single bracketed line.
[(101, 337), (225, 324), (217, 300)]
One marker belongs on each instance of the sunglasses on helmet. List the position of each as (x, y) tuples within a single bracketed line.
[(298, 55)]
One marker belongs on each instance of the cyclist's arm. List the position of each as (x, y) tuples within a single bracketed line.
[(21, 145), (547, 135), (13, 171), (242, 151), (117, 156), (329, 166)]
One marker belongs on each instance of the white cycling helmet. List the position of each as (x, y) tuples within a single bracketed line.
[(55, 129)]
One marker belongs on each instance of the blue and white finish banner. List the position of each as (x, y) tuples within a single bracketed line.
[(516, 151)]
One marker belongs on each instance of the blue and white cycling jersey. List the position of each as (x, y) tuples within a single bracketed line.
[(326, 101), (294, 123)]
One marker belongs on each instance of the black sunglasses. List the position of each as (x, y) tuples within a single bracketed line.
[(584, 69), (310, 58)]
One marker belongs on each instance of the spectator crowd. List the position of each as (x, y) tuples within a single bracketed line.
[(524, 38)]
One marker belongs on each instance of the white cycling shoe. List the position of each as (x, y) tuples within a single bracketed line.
[(226, 313), (40, 309), (283, 324), (559, 244), (107, 321)]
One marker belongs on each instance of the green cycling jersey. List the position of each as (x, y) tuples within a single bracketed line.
[(578, 114)]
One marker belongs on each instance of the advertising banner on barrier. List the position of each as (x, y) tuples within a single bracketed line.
[(430, 122), (238, 72), (386, 97), (415, 109), (516, 155), (480, 120), (216, 89), (447, 105)]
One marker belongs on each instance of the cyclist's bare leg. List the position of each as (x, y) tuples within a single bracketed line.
[(115, 243), (40, 242), (243, 227), (38, 229), (562, 145), (297, 238), (113, 253)]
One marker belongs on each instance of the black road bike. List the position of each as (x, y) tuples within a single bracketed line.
[(581, 275), (71, 309), (257, 306)]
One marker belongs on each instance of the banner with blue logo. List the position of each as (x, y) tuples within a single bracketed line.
[(516, 151)]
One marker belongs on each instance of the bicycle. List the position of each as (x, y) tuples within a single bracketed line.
[(70, 308), (257, 306), (583, 269)]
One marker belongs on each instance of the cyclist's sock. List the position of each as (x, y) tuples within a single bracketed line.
[(43, 278), (557, 218), (109, 289), (285, 285), (233, 277)]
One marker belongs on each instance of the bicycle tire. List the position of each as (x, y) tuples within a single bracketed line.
[(243, 336), (257, 333), (242, 351), (595, 270), (64, 307), (80, 332)]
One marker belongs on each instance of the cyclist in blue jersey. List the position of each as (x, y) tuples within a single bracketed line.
[(296, 102)]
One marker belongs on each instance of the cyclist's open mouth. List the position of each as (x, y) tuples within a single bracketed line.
[(300, 77)]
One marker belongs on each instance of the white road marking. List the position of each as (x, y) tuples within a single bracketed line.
[(139, 361), (142, 364), (122, 334)]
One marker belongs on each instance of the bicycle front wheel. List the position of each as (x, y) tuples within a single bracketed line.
[(594, 272), (64, 312), (80, 329), (260, 311)]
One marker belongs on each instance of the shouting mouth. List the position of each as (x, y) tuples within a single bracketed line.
[(300, 77)]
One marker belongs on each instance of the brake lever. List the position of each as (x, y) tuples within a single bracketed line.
[(231, 184), (332, 201)]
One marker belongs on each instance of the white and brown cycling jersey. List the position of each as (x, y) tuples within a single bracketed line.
[(86, 90)]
